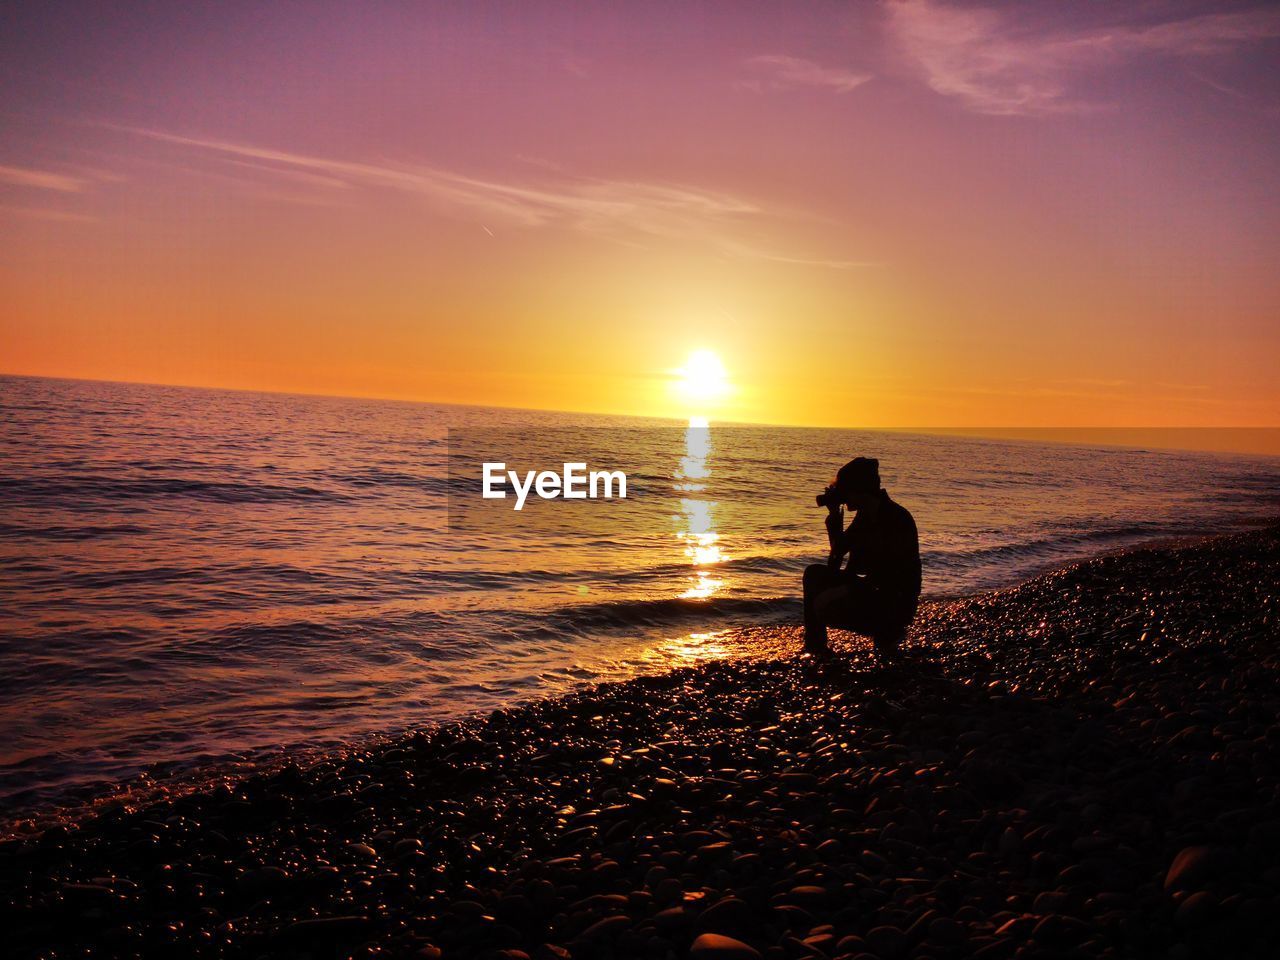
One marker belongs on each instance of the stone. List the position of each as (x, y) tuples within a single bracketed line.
[(1194, 867), (713, 946), (727, 916), (1196, 910), (887, 942)]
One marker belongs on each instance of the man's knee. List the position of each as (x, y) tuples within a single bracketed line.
[(816, 576)]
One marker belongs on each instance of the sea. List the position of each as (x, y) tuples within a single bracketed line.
[(197, 580)]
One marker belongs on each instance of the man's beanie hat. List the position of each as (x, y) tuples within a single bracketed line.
[(861, 473)]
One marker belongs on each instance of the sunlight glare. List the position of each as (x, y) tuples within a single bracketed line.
[(703, 377)]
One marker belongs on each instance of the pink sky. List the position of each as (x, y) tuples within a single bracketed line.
[(914, 213)]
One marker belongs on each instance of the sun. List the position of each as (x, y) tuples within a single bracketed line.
[(703, 377)]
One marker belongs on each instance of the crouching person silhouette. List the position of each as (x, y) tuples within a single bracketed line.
[(877, 591)]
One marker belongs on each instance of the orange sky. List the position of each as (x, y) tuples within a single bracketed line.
[(894, 214)]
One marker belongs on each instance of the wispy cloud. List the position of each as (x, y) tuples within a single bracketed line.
[(302, 176), (576, 67), (786, 72), (41, 179), (623, 210), (989, 63), (56, 216), (750, 251)]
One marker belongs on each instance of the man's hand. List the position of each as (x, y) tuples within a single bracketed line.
[(835, 520)]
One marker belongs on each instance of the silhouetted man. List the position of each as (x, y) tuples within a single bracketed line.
[(877, 592)]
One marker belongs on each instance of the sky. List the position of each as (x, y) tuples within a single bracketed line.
[(898, 214)]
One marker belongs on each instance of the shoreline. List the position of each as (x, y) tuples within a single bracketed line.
[(166, 781), (1080, 765)]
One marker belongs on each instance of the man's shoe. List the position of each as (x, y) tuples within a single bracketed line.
[(886, 648)]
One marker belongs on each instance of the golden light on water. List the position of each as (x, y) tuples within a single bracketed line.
[(691, 648), (697, 530), (705, 586)]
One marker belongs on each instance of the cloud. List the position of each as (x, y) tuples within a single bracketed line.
[(738, 248), (576, 67), (623, 210), (984, 60), (56, 216), (302, 176), (41, 179), (1195, 36), (790, 72)]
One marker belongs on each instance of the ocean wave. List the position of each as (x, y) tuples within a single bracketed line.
[(1054, 545), (89, 491), (375, 478), (663, 611), (429, 581), (68, 533), (320, 634)]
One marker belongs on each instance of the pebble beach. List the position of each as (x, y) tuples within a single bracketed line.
[(1085, 765)]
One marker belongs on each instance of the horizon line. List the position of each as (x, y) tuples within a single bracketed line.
[(990, 432)]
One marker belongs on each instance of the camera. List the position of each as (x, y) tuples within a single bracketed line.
[(828, 498)]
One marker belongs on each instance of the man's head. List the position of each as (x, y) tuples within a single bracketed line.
[(858, 482)]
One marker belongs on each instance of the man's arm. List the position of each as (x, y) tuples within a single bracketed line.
[(836, 537)]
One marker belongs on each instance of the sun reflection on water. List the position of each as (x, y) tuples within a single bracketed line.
[(697, 531), (688, 650)]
